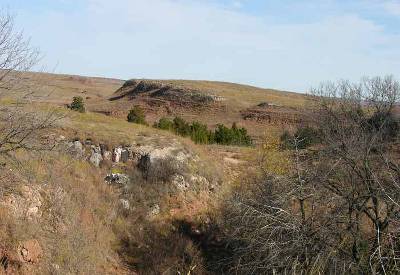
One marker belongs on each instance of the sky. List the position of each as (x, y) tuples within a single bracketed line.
[(282, 44)]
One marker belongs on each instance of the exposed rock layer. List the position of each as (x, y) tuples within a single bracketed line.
[(164, 91)]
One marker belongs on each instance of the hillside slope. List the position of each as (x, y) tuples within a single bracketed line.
[(113, 197), (210, 102), (88, 204)]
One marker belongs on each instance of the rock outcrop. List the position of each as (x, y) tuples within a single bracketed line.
[(124, 204), (76, 148), (116, 155), (96, 156), (139, 154), (273, 114), (165, 91), (30, 251), (117, 179), (157, 163), (26, 204), (21, 259)]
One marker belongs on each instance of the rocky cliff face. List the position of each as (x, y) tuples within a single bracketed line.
[(273, 114), (164, 91)]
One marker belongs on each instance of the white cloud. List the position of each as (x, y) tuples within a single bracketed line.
[(201, 40)]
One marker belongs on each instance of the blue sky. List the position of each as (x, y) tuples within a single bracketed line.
[(283, 44)]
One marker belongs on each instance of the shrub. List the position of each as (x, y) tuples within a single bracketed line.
[(199, 132), (136, 115), (146, 249), (385, 123), (161, 170), (77, 104), (286, 140), (232, 136), (164, 124), (223, 135), (240, 135), (305, 137), (181, 127)]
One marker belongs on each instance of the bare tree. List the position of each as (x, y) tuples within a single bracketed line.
[(338, 211), (16, 53), (360, 131), (19, 128), (276, 228)]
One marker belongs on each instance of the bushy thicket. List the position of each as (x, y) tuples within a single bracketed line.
[(233, 135), (384, 122), (302, 138), (332, 213), (136, 115), (77, 104), (200, 133), (164, 124)]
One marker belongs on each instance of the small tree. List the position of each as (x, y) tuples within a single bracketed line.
[(136, 115), (181, 127), (19, 128), (77, 104), (223, 135), (232, 136), (199, 133), (164, 124), (240, 135)]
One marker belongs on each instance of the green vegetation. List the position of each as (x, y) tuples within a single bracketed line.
[(200, 134), (181, 127), (232, 136), (136, 115), (77, 104), (164, 124)]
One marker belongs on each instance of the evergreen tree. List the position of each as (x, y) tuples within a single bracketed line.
[(136, 115), (77, 104)]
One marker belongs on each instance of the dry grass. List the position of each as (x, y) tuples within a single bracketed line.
[(60, 89), (243, 96), (86, 223), (74, 229)]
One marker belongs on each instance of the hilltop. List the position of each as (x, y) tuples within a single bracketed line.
[(209, 102)]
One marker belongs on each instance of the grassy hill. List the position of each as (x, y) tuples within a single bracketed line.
[(229, 102), (64, 203), (94, 193)]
